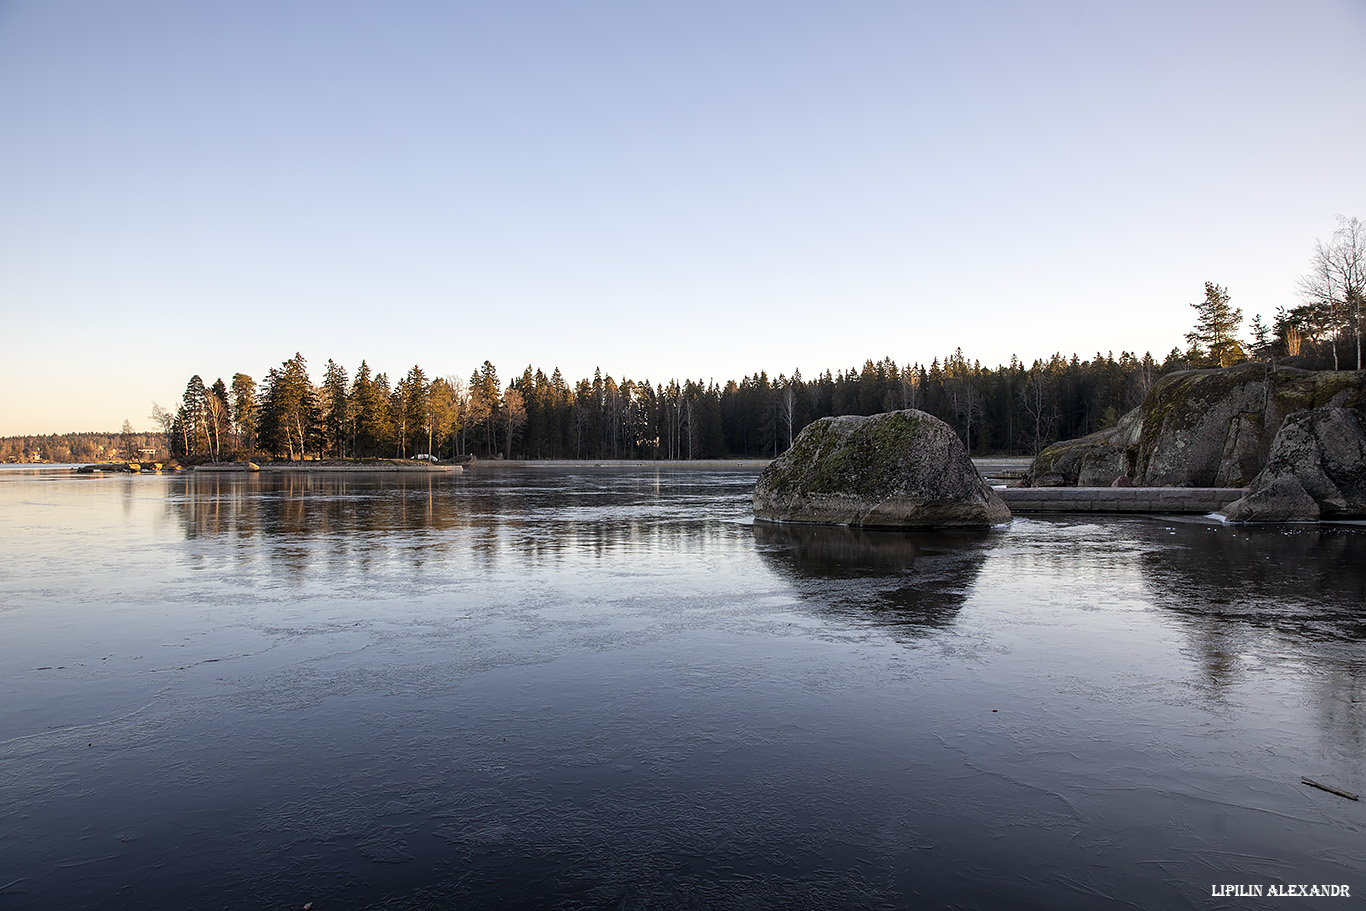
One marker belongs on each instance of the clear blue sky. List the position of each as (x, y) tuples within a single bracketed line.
[(660, 189)]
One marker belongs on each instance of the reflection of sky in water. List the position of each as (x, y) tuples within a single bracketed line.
[(603, 687)]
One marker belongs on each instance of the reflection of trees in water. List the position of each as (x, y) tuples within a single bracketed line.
[(302, 520), (511, 519), (907, 579), (1294, 593), (1310, 581)]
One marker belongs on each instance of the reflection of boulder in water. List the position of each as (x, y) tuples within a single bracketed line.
[(901, 578)]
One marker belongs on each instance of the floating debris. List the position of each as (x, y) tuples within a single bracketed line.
[(1329, 788)]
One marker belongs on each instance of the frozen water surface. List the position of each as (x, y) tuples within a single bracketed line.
[(609, 688)]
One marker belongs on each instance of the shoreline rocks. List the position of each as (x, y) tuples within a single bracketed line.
[(1283, 500), (1316, 464), (1215, 427), (1223, 428), (902, 469), (1094, 460)]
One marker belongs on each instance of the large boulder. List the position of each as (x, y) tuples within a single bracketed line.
[(1321, 453), (903, 469), (1283, 500)]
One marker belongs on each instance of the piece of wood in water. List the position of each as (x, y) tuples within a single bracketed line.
[(1329, 788)]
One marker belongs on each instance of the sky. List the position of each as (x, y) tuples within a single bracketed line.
[(660, 190)]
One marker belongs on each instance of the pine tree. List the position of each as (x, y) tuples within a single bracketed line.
[(1216, 325), (416, 396), (289, 419), (244, 413)]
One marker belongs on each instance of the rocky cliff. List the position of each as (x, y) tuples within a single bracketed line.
[(1199, 428)]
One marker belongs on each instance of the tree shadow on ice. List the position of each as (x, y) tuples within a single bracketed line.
[(913, 580)]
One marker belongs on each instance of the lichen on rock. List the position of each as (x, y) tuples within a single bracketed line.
[(903, 469)]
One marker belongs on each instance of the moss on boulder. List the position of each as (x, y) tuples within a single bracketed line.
[(903, 469)]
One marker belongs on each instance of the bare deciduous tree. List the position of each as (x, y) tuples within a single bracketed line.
[(513, 414), (165, 422), (1336, 283)]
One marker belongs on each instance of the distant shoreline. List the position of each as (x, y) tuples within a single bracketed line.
[(392, 465), (988, 466), (616, 463)]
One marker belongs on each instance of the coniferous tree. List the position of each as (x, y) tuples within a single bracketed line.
[(415, 396), (368, 405), (244, 413), (289, 414), (485, 399), (189, 429), (1216, 327), (336, 412)]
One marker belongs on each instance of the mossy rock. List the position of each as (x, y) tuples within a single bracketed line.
[(1200, 428), (1213, 428), (903, 469), (1090, 461), (1324, 451)]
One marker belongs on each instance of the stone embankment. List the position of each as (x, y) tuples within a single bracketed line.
[(1199, 500)]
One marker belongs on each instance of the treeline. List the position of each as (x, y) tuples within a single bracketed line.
[(1007, 409), (1010, 409), (79, 447)]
